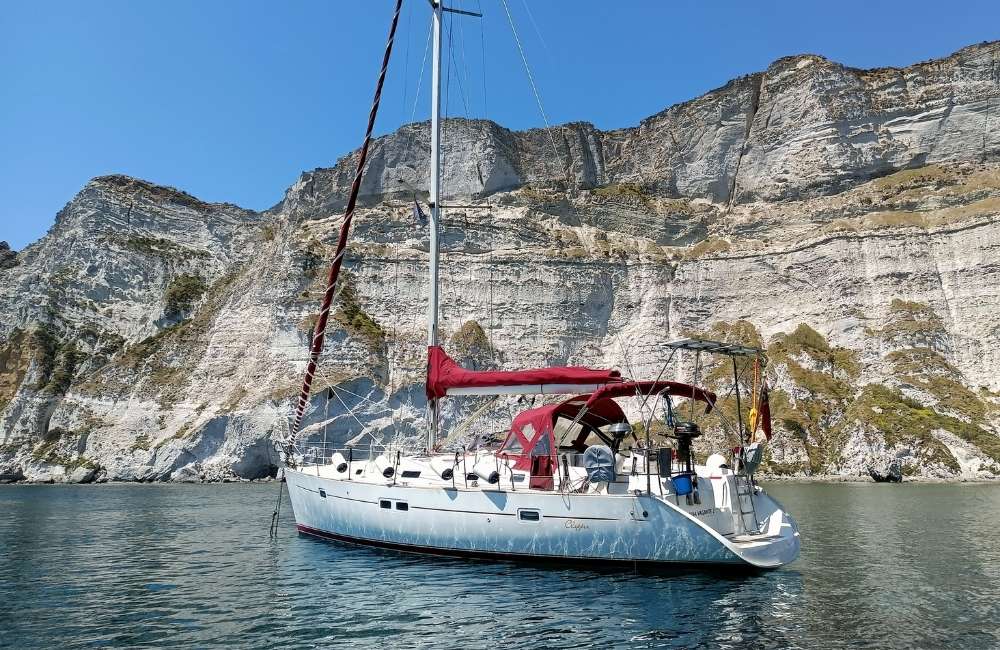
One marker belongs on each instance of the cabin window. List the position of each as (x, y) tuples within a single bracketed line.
[(322, 493), (566, 431), (385, 504), (541, 447), (513, 445), (517, 478), (402, 505), (528, 515), (359, 470), (411, 473)]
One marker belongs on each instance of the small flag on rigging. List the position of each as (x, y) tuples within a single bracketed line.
[(418, 214)]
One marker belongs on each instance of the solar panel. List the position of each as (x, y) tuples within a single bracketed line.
[(715, 347)]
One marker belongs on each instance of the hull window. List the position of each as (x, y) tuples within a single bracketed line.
[(322, 493), (385, 504), (528, 515), (402, 505)]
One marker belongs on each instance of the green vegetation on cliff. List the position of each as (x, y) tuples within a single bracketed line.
[(818, 405), (182, 292), (470, 341), (904, 422), (353, 318)]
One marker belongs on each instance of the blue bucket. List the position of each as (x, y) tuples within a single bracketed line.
[(682, 484)]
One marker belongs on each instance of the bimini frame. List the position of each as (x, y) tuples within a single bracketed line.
[(731, 350)]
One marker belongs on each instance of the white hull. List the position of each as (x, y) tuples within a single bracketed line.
[(486, 522)]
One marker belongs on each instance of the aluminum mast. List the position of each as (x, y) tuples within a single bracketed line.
[(435, 200), (435, 194)]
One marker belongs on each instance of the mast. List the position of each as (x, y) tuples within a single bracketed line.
[(435, 195)]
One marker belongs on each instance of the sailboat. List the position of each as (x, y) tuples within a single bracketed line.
[(573, 480)]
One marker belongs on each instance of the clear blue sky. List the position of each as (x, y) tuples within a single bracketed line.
[(230, 101)]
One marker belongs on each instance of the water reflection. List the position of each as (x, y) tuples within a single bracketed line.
[(894, 566)]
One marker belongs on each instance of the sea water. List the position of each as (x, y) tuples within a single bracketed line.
[(886, 566)]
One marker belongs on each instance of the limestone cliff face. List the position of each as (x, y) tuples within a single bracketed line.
[(844, 219), (804, 127)]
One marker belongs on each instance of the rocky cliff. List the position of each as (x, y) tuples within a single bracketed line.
[(846, 220)]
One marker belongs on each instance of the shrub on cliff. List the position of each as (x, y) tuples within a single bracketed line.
[(181, 294)]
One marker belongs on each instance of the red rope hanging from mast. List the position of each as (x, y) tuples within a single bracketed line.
[(331, 283)]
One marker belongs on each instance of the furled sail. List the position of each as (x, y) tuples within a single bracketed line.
[(319, 333), (446, 377)]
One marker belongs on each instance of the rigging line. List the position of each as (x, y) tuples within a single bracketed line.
[(986, 118), (458, 74), (443, 228), (347, 408), (395, 301), (531, 80), (625, 357), (337, 389), (317, 344), (423, 66), (465, 62), (416, 96), (538, 32), (482, 43), (489, 310), (406, 64), (490, 229), (657, 380), (363, 398)]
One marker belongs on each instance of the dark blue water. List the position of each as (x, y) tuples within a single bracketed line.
[(192, 566)]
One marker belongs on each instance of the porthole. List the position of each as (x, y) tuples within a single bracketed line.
[(322, 493), (341, 468), (385, 504), (358, 471)]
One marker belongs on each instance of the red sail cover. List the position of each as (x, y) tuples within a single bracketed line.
[(443, 373)]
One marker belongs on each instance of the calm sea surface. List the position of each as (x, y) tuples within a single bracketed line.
[(192, 565)]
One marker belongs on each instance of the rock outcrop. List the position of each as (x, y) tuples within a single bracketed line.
[(846, 220), (8, 258)]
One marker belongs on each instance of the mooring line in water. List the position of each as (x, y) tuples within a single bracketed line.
[(273, 530)]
